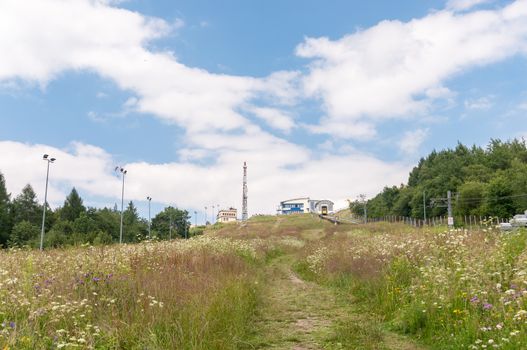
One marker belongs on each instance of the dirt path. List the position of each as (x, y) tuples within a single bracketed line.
[(304, 315)]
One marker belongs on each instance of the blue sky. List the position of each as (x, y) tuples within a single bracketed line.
[(324, 99)]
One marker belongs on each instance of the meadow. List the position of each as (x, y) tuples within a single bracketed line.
[(183, 294), (450, 289), (278, 283)]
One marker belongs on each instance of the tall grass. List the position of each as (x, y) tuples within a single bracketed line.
[(195, 294), (455, 289)]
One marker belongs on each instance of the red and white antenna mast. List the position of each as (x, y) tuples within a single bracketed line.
[(244, 199)]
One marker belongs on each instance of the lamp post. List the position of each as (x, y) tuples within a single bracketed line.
[(195, 218), (123, 173), (205, 216), (212, 218), (149, 219), (49, 160)]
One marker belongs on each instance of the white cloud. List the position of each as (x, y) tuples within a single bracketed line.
[(481, 103), (57, 36), (412, 141), (271, 176), (344, 129), (463, 5), (398, 69), (83, 166), (391, 70), (274, 117), (178, 24)]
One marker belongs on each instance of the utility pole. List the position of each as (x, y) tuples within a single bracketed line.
[(195, 218), (449, 204), (364, 202)]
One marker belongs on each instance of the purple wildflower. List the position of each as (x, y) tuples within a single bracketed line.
[(96, 279), (487, 306), (474, 299), (12, 324)]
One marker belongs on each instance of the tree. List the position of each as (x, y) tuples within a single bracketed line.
[(170, 215), (5, 215), (73, 207), (471, 198), (23, 233), (498, 198), (26, 207), (135, 229), (108, 221)]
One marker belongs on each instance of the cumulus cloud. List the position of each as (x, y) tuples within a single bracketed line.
[(274, 117), (391, 70), (91, 170), (399, 69), (412, 140), (463, 5), (57, 36)]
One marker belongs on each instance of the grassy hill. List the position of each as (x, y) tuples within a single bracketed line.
[(277, 282)]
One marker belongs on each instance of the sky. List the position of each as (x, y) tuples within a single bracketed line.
[(325, 99)]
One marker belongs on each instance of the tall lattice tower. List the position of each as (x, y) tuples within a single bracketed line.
[(244, 198)]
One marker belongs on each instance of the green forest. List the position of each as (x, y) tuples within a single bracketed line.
[(73, 223), (486, 182)]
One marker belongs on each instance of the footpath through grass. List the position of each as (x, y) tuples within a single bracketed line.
[(298, 314), (295, 310)]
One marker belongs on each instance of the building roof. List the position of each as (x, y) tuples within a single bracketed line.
[(295, 199)]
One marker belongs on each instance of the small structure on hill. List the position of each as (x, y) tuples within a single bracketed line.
[(305, 205), (227, 215)]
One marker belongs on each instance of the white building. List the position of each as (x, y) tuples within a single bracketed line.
[(227, 215), (305, 205)]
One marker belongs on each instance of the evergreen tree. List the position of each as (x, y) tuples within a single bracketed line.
[(5, 217), (73, 207), (135, 229), (26, 207)]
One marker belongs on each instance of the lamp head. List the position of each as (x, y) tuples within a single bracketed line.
[(45, 156), (52, 160)]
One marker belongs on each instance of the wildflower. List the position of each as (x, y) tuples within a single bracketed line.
[(12, 324), (474, 299), (487, 306)]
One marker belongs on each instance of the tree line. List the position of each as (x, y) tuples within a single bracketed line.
[(73, 223), (485, 181)]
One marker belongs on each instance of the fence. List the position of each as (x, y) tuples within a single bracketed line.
[(467, 221)]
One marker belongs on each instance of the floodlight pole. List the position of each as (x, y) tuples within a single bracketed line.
[(123, 173), (49, 160), (149, 218)]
